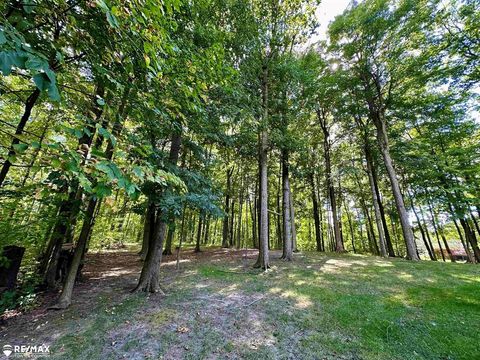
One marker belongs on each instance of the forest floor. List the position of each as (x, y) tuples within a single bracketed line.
[(320, 306)]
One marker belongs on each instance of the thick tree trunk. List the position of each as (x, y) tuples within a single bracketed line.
[(29, 104), (147, 229), (316, 217), (402, 212), (60, 229), (287, 225), (66, 296), (149, 278)]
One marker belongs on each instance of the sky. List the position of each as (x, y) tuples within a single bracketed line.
[(326, 12)]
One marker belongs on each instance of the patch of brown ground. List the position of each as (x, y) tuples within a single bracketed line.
[(110, 273)]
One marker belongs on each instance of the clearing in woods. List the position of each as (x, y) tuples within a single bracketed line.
[(317, 307)]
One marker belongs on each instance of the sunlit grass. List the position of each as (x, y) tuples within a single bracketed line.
[(319, 306)]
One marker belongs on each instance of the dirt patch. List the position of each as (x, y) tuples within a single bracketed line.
[(107, 276)]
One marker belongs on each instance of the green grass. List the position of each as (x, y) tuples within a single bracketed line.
[(318, 307)]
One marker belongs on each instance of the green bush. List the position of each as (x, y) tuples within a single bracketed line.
[(24, 297)]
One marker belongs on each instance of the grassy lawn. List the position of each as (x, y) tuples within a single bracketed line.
[(317, 307)]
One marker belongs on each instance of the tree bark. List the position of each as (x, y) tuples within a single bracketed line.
[(438, 231), (263, 256), (29, 104), (349, 219), (382, 139), (199, 233), (66, 296), (428, 246), (376, 207), (292, 219), (471, 238), (287, 225), (149, 278), (147, 229), (225, 240), (388, 240), (169, 241), (328, 176)]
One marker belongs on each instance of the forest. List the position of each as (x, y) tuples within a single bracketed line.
[(212, 179)]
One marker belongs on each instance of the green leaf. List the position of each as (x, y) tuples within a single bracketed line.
[(137, 170), (5, 63), (102, 190), (41, 81), (53, 92), (3, 38), (36, 63), (56, 163), (28, 6), (112, 20), (50, 74), (104, 132), (20, 148)]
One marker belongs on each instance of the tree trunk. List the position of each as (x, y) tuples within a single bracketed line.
[(471, 238), (316, 217), (232, 223), (428, 246), (56, 241), (254, 212), (292, 219), (287, 225), (402, 212), (147, 229), (169, 241), (386, 232), (29, 104), (439, 231), (263, 256), (470, 257), (149, 277), (66, 296), (376, 207), (239, 218), (349, 219), (199, 233), (278, 215), (328, 177), (227, 209)]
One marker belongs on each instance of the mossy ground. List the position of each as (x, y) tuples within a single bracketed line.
[(316, 307)]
